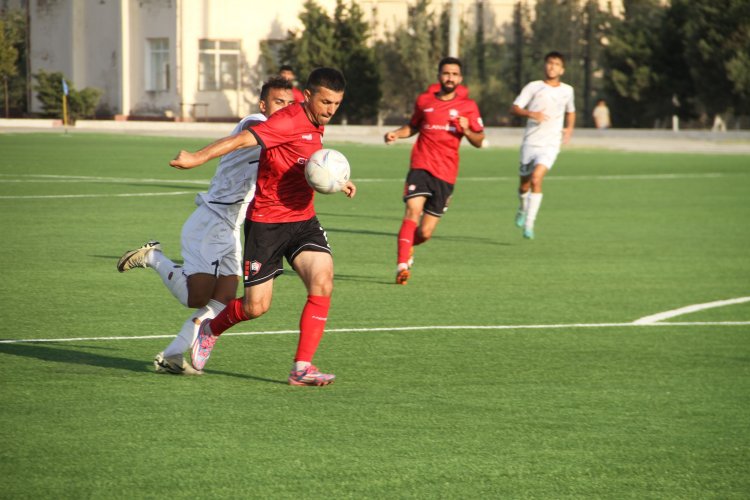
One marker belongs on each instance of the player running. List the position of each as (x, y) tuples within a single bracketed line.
[(211, 246), (282, 222), (442, 118), (546, 104)]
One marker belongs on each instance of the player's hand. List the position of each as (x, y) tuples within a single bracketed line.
[(390, 137), (463, 122), (567, 133), (185, 160), (349, 189), (538, 116)]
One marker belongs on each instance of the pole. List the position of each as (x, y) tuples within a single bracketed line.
[(453, 30), (65, 112)]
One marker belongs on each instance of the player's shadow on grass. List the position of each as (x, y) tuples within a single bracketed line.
[(58, 354), (361, 231), (437, 237), (395, 220), (354, 277)]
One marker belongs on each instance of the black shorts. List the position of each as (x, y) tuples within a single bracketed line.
[(438, 192), (267, 244)]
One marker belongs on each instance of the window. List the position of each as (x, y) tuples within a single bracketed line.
[(157, 64), (218, 65)]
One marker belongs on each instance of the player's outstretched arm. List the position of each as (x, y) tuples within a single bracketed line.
[(185, 159), (350, 189), (399, 133)]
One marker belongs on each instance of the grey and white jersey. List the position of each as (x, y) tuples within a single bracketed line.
[(233, 185), (554, 102)]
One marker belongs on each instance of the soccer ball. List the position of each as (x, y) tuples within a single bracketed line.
[(327, 171)]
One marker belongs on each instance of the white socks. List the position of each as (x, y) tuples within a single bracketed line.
[(171, 274), (523, 202), (189, 330), (535, 201)]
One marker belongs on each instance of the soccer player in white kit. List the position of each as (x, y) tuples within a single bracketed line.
[(547, 105), (210, 240)]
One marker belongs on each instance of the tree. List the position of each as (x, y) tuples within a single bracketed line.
[(81, 104), (13, 55), (488, 69), (339, 42), (632, 79), (557, 26), (409, 57), (357, 61), (716, 36), (8, 59), (315, 46)]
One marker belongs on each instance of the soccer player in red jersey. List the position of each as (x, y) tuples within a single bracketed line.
[(442, 118), (286, 71), (281, 222)]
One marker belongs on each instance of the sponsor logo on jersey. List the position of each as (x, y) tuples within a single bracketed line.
[(448, 127), (307, 137), (428, 110)]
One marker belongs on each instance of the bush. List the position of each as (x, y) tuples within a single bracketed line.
[(81, 104)]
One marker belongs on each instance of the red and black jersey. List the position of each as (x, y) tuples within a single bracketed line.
[(298, 95), (436, 149), (282, 194)]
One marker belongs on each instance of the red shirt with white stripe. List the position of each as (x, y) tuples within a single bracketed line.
[(436, 149), (282, 194)]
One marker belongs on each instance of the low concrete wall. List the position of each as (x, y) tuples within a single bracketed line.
[(689, 141)]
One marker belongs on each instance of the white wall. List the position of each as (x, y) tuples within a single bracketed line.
[(102, 44)]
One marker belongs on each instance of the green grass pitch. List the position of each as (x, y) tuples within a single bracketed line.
[(505, 368)]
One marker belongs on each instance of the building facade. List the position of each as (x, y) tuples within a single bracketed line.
[(189, 59)]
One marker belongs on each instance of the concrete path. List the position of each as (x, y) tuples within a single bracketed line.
[(644, 140)]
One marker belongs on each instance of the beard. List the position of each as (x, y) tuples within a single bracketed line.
[(447, 88)]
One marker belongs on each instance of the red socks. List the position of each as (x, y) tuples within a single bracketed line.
[(232, 314), (311, 326), (406, 237)]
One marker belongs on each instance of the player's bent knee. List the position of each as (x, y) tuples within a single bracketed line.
[(255, 309), (196, 301)]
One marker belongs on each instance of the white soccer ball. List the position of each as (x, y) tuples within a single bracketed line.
[(327, 171)]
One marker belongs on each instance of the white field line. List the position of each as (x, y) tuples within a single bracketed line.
[(85, 178), (52, 179), (401, 329), (647, 320), (618, 177), (119, 195)]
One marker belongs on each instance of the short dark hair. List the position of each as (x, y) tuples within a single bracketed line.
[(449, 60), (555, 55), (330, 78), (275, 82), (286, 67)]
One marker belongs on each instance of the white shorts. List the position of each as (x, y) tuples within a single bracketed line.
[(210, 245), (532, 156)]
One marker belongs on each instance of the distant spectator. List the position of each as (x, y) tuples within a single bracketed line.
[(601, 115), (719, 125), (286, 71)]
